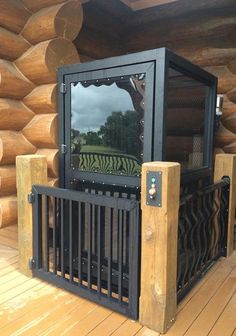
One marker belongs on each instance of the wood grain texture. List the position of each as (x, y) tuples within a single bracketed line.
[(7, 180), (35, 6), (12, 45), (34, 307), (8, 210), (13, 84), (13, 15), (30, 169), (13, 144), (40, 62), (52, 156), (224, 137), (159, 250), (43, 99), (14, 115), (42, 131), (63, 20)]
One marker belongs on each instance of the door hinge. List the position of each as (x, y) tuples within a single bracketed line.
[(32, 264), (31, 198), (63, 88), (63, 149)]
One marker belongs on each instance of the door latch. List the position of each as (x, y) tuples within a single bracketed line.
[(63, 149)]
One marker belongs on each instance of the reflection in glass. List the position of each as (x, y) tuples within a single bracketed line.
[(107, 125), (185, 120)]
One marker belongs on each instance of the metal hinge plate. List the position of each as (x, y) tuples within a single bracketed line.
[(32, 264), (63, 88), (63, 149), (31, 198)]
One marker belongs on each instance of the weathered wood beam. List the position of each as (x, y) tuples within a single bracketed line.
[(35, 6), (230, 122), (180, 9), (63, 20), (52, 160), (43, 99), (31, 169), (8, 211), (226, 79), (12, 45), (14, 115), (13, 84), (13, 15), (13, 144), (97, 46), (7, 180), (154, 35), (158, 298), (39, 63), (224, 137), (42, 131)]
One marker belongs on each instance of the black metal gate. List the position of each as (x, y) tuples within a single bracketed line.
[(88, 244)]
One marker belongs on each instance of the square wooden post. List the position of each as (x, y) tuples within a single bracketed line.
[(225, 165), (30, 169), (158, 300)]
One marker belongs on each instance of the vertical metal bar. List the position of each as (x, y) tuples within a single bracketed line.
[(46, 266), (120, 254), (70, 243), (99, 241), (37, 230), (54, 211), (134, 257), (126, 241), (62, 238), (79, 244), (89, 244), (109, 270)]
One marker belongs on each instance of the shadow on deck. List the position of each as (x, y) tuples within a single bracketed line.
[(32, 307)]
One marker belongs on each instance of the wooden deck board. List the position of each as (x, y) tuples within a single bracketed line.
[(33, 307)]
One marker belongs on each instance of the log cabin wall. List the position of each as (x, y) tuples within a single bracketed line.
[(207, 38), (35, 38), (202, 31)]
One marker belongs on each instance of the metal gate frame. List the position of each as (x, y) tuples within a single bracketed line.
[(132, 206)]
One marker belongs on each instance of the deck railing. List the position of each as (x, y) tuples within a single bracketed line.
[(202, 232), (94, 245), (97, 256)]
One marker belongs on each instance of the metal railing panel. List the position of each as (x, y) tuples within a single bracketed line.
[(202, 234), (89, 244)]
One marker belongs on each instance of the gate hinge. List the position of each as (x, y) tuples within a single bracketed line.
[(63, 149), (63, 88), (32, 264), (31, 198)]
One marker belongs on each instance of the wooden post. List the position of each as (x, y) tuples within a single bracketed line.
[(225, 165), (30, 169), (158, 300)]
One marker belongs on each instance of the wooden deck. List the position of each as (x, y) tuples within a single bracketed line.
[(32, 307)]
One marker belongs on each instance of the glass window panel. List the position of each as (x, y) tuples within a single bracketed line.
[(107, 125), (186, 110)]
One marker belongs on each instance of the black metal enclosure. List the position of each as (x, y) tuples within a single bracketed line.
[(114, 115), (119, 112)]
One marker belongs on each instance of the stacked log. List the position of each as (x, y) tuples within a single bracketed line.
[(206, 39), (36, 39)]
